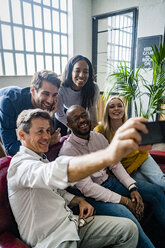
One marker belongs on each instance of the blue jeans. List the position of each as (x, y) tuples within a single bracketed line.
[(151, 172), (113, 209), (106, 208)]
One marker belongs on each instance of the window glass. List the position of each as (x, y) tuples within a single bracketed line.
[(48, 62), (29, 40), (4, 11), (57, 67), (20, 62), (48, 43), (63, 4), (16, 11), (47, 21), (56, 43), (6, 37), (63, 23), (1, 72), (125, 39), (37, 16), (46, 2), (30, 64), (55, 21), (117, 37), (27, 14), (9, 65), (40, 62), (124, 54), (122, 21), (117, 21), (39, 41), (18, 38), (37, 1), (64, 62), (55, 4), (121, 38), (121, 53), (116, 55), (64, 44)]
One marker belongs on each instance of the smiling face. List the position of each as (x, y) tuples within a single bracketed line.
[(46, 97), (116, 109), (80, 74), (79, 122), (39, 136)]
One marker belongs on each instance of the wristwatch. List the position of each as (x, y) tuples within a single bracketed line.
[(132, 188), (78, 200)]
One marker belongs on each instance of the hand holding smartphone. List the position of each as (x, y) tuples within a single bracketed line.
[(156, 133)]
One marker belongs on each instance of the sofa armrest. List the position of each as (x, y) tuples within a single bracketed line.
[(159, 157), (8, 240)]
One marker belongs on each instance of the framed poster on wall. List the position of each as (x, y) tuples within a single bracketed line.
[(144, 50)]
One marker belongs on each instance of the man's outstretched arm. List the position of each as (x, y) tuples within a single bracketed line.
[(126, 140)]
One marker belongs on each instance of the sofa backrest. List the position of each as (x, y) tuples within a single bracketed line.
[(52, 154), (7, 221), (159, 157)]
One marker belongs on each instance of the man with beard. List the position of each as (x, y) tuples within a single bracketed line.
[(13, 100), (115, 194)]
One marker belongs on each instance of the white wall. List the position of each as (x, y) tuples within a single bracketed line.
[(22, 81), (82, 27)]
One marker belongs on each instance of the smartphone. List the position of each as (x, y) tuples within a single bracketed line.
[(156, 133)]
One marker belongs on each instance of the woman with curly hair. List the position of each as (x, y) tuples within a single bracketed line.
[(78, 88)]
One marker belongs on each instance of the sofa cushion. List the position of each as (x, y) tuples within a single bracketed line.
[(8, 240)]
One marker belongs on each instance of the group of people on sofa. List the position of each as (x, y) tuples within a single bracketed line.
[(105, 169)]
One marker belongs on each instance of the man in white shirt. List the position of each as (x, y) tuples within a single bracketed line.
[(37, 198)]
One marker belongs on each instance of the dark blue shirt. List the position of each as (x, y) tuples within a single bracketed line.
[(12, 101)]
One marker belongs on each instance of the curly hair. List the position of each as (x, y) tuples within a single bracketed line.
[(88, 90)]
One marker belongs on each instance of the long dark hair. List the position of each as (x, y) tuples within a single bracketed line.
[(88, 90)]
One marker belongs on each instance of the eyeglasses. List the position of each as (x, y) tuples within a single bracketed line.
[(84, 222), (77, 117)]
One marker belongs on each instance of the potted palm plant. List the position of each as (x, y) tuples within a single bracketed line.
[(133, 87)]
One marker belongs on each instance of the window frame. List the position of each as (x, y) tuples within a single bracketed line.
[(95, 20), (13, 51)]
